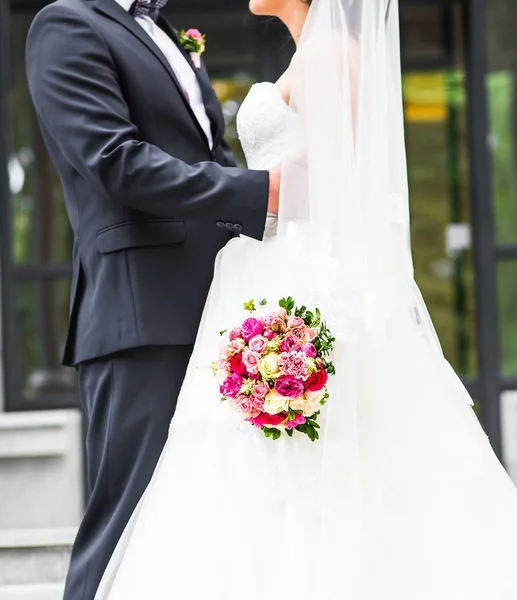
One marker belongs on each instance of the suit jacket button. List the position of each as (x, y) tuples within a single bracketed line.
[(237, 227), (220, 224), (229, 226)]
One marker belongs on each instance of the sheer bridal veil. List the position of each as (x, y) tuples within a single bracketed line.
[(344, 224), (347, 188)]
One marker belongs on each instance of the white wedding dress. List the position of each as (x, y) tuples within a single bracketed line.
[(404, 501)]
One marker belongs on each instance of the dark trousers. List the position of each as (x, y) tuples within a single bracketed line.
[(129, 398)]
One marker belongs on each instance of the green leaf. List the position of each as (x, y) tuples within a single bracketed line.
[(250, 306), (223, 331), (289, 432), (263, 302), (223, 399)]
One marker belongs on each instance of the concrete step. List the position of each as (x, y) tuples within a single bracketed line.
[(41, 469), (44, 591), (33, 558)]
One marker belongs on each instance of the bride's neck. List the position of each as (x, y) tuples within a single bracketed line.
[(295, 20)]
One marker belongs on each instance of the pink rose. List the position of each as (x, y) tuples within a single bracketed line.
[(195, 34), (310, 350), (235, 333), (224, 364), (294, 322), (231, 386), (257, 403), (266, 319), (277, 324), (237, 366), (250, 328), (294, 363), (260, 390), (258, 344), (276, 321), (245, 404), (269, 334), (308, 334), (290, 342), (298, 420), (225, 352), (289, 386), (251, 361), (238, 344)]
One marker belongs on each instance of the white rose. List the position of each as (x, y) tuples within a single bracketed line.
[(268, 366), (313, 402), (222, 375), (300, 403), (275, 403)]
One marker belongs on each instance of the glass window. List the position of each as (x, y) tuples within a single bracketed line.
[(436, 140), (41, 250), (507, 293), (41, 232), (501, 86), (42, 318), (422, 34)]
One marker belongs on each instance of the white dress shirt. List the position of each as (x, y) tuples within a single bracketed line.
[(179, 64)]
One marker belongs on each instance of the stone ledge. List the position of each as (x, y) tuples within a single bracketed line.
[(44, 591), (37, 557), (36, 434), (37, 538)]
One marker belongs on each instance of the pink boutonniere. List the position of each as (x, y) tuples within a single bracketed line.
[(193, 41)]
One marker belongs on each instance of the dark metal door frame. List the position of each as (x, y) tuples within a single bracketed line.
[(486, 253), (5, 220)]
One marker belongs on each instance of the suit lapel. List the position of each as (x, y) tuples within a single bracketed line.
[(210, 100), (114, 11)]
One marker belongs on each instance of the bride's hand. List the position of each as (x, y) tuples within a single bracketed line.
[(274, 189)]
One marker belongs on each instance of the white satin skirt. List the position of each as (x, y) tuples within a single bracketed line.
[(402, 498)]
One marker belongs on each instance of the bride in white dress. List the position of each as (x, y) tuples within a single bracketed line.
[(401, 498)]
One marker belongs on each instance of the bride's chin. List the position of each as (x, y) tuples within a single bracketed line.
[(261, 7), (254, 6)]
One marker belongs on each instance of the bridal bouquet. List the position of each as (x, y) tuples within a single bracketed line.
[(274, 368)]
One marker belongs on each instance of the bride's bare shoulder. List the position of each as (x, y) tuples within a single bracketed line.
[(284, 85), (285, 82)]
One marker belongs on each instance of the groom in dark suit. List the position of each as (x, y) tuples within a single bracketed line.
[(152, 192)]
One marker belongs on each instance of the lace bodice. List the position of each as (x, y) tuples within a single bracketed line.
[(268, 132), (267, 126)]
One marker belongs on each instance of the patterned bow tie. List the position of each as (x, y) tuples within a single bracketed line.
[(147, 8)]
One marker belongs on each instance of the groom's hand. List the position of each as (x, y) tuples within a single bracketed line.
[(274, 189)]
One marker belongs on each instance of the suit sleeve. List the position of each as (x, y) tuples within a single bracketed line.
[(74, 86)]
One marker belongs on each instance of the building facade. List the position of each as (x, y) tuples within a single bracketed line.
[(459, 77)]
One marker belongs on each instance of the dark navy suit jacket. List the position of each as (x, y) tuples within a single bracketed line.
[(149, 202)]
